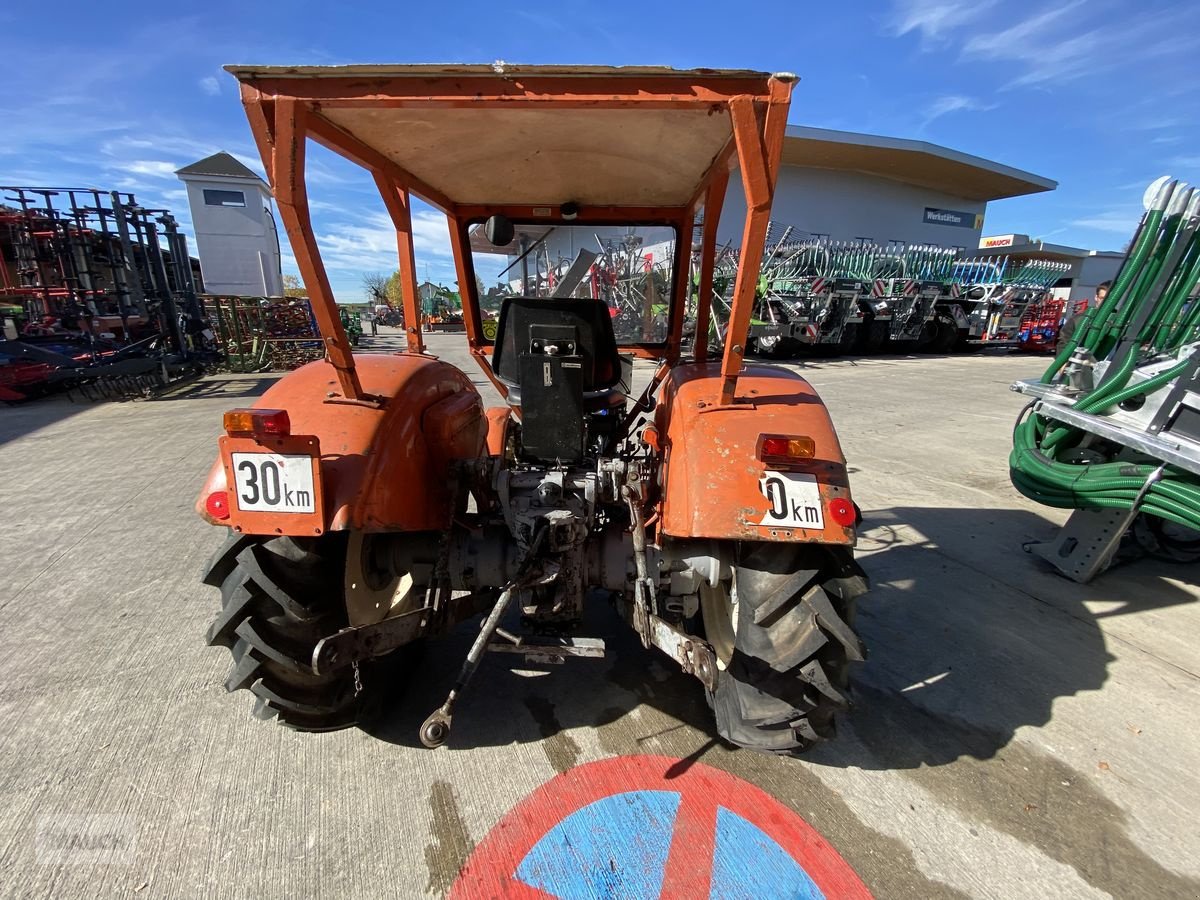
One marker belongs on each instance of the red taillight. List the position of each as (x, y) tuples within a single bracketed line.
[(785, 448), (843, 512), (257, 423), (217, 504)]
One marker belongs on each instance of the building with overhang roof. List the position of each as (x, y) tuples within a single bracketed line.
[(847, 186), (1089, 268)]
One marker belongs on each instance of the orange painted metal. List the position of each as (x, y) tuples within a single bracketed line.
[(383, 468), (285, 108), (759, 149), (712, 479), (389, 428), (714, 200), (529, 89), (258, 522), (498, 418), (472, 320), (399, 207), (287, 169)]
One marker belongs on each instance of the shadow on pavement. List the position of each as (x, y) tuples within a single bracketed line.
[(19, 420), (966, 646), (227, 386)]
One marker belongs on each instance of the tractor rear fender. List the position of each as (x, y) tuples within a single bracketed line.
[(714, 483), (382, 467)]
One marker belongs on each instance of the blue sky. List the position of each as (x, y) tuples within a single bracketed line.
[(1100, 96)]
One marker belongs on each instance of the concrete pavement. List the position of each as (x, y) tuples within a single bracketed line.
[(1016, 735)]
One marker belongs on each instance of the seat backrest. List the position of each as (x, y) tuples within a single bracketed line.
[(592, 320)]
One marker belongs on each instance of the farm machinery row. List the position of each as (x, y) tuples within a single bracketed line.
[(98, 295), (812, 296), (832, 298)]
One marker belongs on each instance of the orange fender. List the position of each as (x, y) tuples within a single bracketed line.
[(382, 468), (498, 418), (713, 483)]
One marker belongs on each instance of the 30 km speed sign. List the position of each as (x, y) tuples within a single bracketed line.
[(272, 482)]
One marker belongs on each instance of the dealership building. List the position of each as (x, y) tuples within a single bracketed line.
[(846, 186)]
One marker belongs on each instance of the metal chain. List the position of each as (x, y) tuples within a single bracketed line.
[(438, 593), (357, 679)]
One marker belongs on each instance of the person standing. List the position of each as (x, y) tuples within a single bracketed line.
[(374, 324), (1066, 334)]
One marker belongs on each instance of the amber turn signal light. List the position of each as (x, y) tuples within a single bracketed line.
[(781, 448), (257, 423)]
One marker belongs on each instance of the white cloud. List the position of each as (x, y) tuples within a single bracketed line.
[(184, 148), (934, 20), (1047, 50), (210, 85), (1114, 221), (1186, 162), (952, 103), (154, 168), (1054, 43), (370, 244), (1064, 43)]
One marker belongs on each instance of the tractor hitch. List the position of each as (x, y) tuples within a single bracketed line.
[(360, 642)]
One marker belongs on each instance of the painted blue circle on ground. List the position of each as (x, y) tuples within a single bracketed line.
[(618, 847)]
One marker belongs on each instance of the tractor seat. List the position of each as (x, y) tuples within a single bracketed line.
[(605, 383)]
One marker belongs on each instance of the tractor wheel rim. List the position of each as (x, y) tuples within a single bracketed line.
[(372, 592), (719, 609)]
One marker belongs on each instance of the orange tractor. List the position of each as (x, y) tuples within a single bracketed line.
[(371, 500)]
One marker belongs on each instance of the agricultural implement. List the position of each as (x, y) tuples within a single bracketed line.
[(829, 298), (1113, 427), (994, 296), (371, 500), (105, 309)]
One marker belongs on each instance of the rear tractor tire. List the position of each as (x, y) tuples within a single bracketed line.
[(279, 597), (782, 629)]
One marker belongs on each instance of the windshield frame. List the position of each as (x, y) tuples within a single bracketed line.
[(675, 298)]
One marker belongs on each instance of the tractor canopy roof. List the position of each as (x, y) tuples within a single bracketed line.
[(505, 135)]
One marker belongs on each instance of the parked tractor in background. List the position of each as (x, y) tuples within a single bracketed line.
[(371, 500)]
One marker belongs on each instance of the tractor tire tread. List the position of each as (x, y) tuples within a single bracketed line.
[(793, 645), (275, 607)]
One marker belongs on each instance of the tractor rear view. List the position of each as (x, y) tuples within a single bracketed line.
[(371, 500)]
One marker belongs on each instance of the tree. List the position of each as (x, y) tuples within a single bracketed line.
[(376, 286), (292, 287)]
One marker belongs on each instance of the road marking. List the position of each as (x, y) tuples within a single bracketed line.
[(650, 826)]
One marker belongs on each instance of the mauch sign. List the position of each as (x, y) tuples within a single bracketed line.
[(953, 217), (1000, 240)]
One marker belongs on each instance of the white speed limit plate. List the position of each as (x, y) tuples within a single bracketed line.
[(271, 482), (793, 500)]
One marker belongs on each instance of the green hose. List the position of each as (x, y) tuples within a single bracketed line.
[(1145, 317)]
